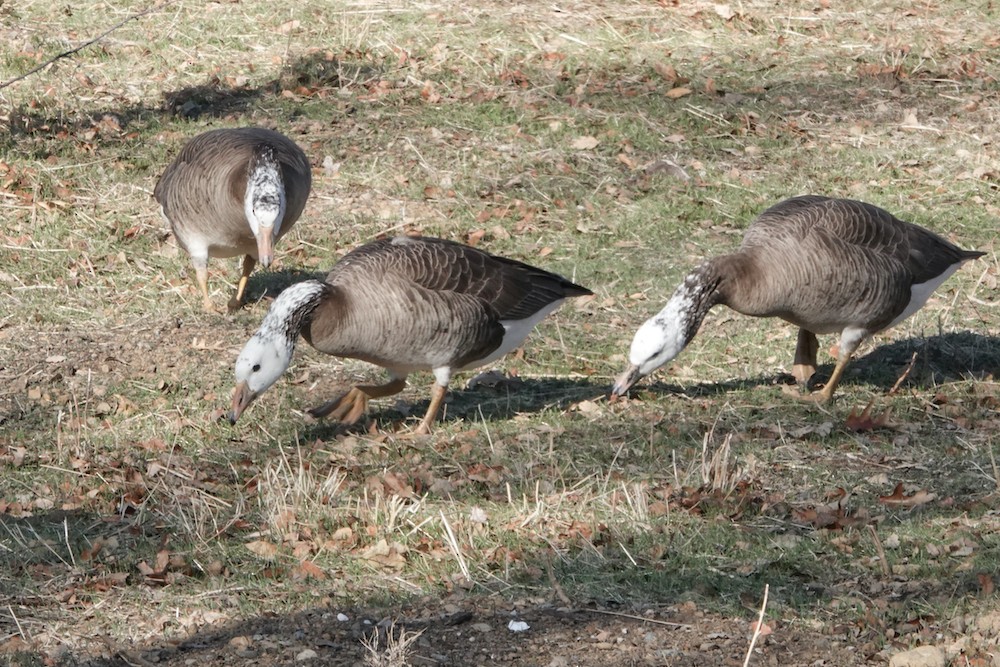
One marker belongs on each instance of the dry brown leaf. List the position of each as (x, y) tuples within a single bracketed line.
[(900, 499), (388, 555), (674, 93), (725, 11), (986, 584), (263, 548), (308, 569), (864, 421)]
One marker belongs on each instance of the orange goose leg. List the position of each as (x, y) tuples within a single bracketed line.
[(349, 407), (201, 276), (237, 301), (437, 397), (844, 355)]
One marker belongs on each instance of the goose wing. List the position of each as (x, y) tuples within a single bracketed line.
[(845, 225), (512, 289)]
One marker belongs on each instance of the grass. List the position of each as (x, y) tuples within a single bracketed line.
[(463, 122)]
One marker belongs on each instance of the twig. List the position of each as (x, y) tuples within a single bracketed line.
[(66, 537), (66, 54), (456, 548), (756, 630), (886, 570), (556, 586), (20, 630), (993, 462), (655, 621), (905, 374)]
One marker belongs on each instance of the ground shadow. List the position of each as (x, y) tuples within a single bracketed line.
[(269, 284), (496, 399), (117, 125), (939, 359)]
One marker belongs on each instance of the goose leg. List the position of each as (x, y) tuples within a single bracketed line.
[(201, 276), (237, 301), (348, 407), (850, 339), (437, 397), (804, 365)]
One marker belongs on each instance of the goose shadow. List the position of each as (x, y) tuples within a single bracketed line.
[(267, 285), (493, 399), (941, 358)]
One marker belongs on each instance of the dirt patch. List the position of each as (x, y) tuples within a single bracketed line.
[(478, 631)]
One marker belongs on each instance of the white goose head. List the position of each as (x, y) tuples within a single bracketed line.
[(267, 354), (663, 336), (264, 201)]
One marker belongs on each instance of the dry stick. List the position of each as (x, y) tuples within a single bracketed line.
[(20, 630), (556, 586), (905, 375), (760, 624), (993, 462), (66, 54), (886, 570), (655, 621)]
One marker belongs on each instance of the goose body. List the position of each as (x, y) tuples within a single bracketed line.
[(406, 304), (232, 192), (825, 265)]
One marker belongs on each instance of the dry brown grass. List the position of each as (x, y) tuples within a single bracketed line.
[(467, 122)]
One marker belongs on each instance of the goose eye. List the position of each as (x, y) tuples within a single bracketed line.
[(256, 367)]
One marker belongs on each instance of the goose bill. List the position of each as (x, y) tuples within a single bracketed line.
[(625, 381), (242, 397), (265, 246)]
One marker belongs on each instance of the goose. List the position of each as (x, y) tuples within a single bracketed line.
[(826, 265), (230, 192), (406, 304)]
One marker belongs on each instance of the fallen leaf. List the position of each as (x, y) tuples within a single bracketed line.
[(263, 548), (725, 11), (674, 93), (308, 569), (900, 499), (585, 143), (864, 421)]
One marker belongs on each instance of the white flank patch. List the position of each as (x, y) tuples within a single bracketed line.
[(921, 292), (850, 338), (515, 331)]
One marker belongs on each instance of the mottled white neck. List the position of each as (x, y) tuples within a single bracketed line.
[(288, 312), (264, 202), (663, 336)]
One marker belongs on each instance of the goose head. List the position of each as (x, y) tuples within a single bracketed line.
[(268, 353), (663, 336), (264, 201)]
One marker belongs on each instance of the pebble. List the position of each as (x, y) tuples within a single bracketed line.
[(922, 656), (307, 654)]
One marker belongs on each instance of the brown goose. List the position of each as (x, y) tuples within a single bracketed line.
[(406, 304), (233, 192), (825, 265)]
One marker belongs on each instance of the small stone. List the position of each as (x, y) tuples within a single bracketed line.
[(307, 654), (518, 626), (922, 656), (240, 643), (343, 618)]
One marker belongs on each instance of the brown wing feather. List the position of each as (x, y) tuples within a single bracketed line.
[(515, 290), (825, 263)]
